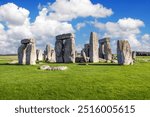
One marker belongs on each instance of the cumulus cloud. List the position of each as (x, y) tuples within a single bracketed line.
[(12, 14), (66, 10), (53, 19), (125, 29)]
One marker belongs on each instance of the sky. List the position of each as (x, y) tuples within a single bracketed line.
[(45, 19)]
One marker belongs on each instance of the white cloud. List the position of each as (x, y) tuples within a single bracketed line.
[(45, 29), (12, 14), (125, 29), (66, 10), (80, 25), (53, 19), (146, 37)]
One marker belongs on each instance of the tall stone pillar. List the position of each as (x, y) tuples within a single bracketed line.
[(94, 48), (65, 48), (39, 55), (124, 53), (22, 54), (59, 49), (105, 49)]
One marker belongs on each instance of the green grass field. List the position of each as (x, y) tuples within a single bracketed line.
[(88, 82)]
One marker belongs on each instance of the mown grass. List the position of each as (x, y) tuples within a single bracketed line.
[(93, 81)]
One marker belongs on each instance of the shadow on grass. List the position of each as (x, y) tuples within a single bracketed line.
[(101, 64), (15, 64)]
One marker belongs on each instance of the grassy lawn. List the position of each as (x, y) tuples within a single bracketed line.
[(94, 81)]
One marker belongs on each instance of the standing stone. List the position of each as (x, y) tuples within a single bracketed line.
[(124, 53), (94, 48), (65, 48), (50, 54), (53, 56), (31, 54), (27, 52), (22, 54), (84, 56), (87, 49), (69, 51), (44, 55), (134, 55), (39, 55), (105, 49), (59, 49)]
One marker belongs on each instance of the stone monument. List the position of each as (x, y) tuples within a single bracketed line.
[(39, 55), (93, 51), (27, 52), (105, 49), (124, 53), (65, 48)]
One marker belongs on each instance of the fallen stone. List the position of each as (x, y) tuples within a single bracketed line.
[(50, 68)]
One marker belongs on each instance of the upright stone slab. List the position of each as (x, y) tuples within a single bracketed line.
[(27, 52), (105, 49), (31, 54), (69, 51), (94, 48), (87, 49), (124, 53), (22, 54), (65, 48), (53, 56), (48, 52), (39, 55), (134, 55), (84, 56), (59, 49)]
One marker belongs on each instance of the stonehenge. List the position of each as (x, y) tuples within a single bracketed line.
[(64, 51), (105, 49), (27, 52), (49, 54), (93, 53), (39, 55), (87, 49), (124, 53), (65, 48)]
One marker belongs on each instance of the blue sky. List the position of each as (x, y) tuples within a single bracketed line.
[(129, 17)]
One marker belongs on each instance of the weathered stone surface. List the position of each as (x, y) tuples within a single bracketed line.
[(50, 68), (31, 54), (105, 49), (50, 54), (59, 49), (27, 41), (39, 55), (69, 51), (65, 36), (22, 54), (94, 48), (84, 56), (87, 49), (124, 53), (65, 48), (27, 52), (53, 56)]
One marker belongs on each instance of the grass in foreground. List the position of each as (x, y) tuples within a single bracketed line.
[(95, 81)]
